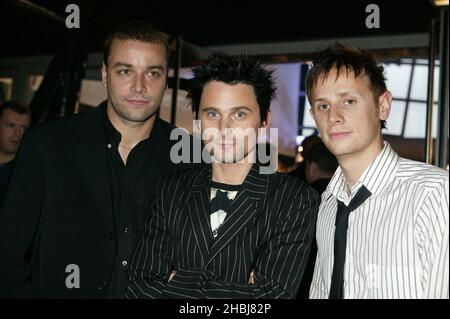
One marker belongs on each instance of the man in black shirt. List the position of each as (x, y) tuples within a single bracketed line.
[(82, 185)]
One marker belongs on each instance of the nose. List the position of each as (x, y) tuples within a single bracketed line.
[(139, 83), (224, 127), (18, 132), (335, 115)]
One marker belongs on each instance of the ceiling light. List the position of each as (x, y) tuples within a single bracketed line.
[(440, 3)]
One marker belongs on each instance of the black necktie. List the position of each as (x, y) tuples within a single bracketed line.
[(340, 241)]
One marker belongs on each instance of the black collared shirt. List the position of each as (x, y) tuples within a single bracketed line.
[(128, 189)]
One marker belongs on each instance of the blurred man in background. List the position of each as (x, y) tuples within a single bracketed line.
[(320, 167), (14, 120)]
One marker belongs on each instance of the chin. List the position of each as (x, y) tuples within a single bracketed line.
[(224, 159), (338, 147), (139, 116), (228, 158)]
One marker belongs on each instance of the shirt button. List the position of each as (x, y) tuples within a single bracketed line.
[(124, 263), (109, 145)]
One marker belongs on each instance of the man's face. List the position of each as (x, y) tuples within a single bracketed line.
[(230, 120), (347, 115), (135, 79), (12, 127)]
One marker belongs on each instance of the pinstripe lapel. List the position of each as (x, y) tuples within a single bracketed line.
[(199, 210), (247, 205)]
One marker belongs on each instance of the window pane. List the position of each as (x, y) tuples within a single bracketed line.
[(395, 119), (415, 121), (436, 83), (419, 83), (422, 61), (308, 121), (398, 79)]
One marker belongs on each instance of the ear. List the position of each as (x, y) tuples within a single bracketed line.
[(266, 122), (104, 73), (384, 102)]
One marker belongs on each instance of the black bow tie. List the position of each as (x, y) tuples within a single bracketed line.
[(221, 201)]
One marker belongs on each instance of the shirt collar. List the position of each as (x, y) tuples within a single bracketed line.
[(375, 178)]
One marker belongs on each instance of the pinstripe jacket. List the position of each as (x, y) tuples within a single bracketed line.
[(268, 230)]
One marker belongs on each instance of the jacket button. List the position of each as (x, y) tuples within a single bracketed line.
[(110, 235)]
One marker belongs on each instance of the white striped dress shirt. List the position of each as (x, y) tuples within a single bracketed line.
[(397, 240)]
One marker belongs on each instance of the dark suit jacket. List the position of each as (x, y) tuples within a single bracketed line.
[(59, 209), (268, 230)]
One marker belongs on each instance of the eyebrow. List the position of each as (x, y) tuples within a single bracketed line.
[(344, 93), (128, 65), (234, 108), (122, 65)]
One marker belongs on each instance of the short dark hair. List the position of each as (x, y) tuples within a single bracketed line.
[(234, 70), (14, 106), (322, 156), (343, 56), (135, 30)]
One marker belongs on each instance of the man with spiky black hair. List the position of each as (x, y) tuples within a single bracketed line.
[(228, 230)]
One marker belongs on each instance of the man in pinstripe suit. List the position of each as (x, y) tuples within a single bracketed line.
[(227, 230), (383, 223)]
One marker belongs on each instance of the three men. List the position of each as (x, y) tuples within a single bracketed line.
[(227, 230), (82, 185), (383, 224)]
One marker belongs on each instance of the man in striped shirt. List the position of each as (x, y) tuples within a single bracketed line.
[(383, 224)]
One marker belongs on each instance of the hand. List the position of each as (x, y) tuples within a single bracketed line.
[(251, 279), (172, 274)]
